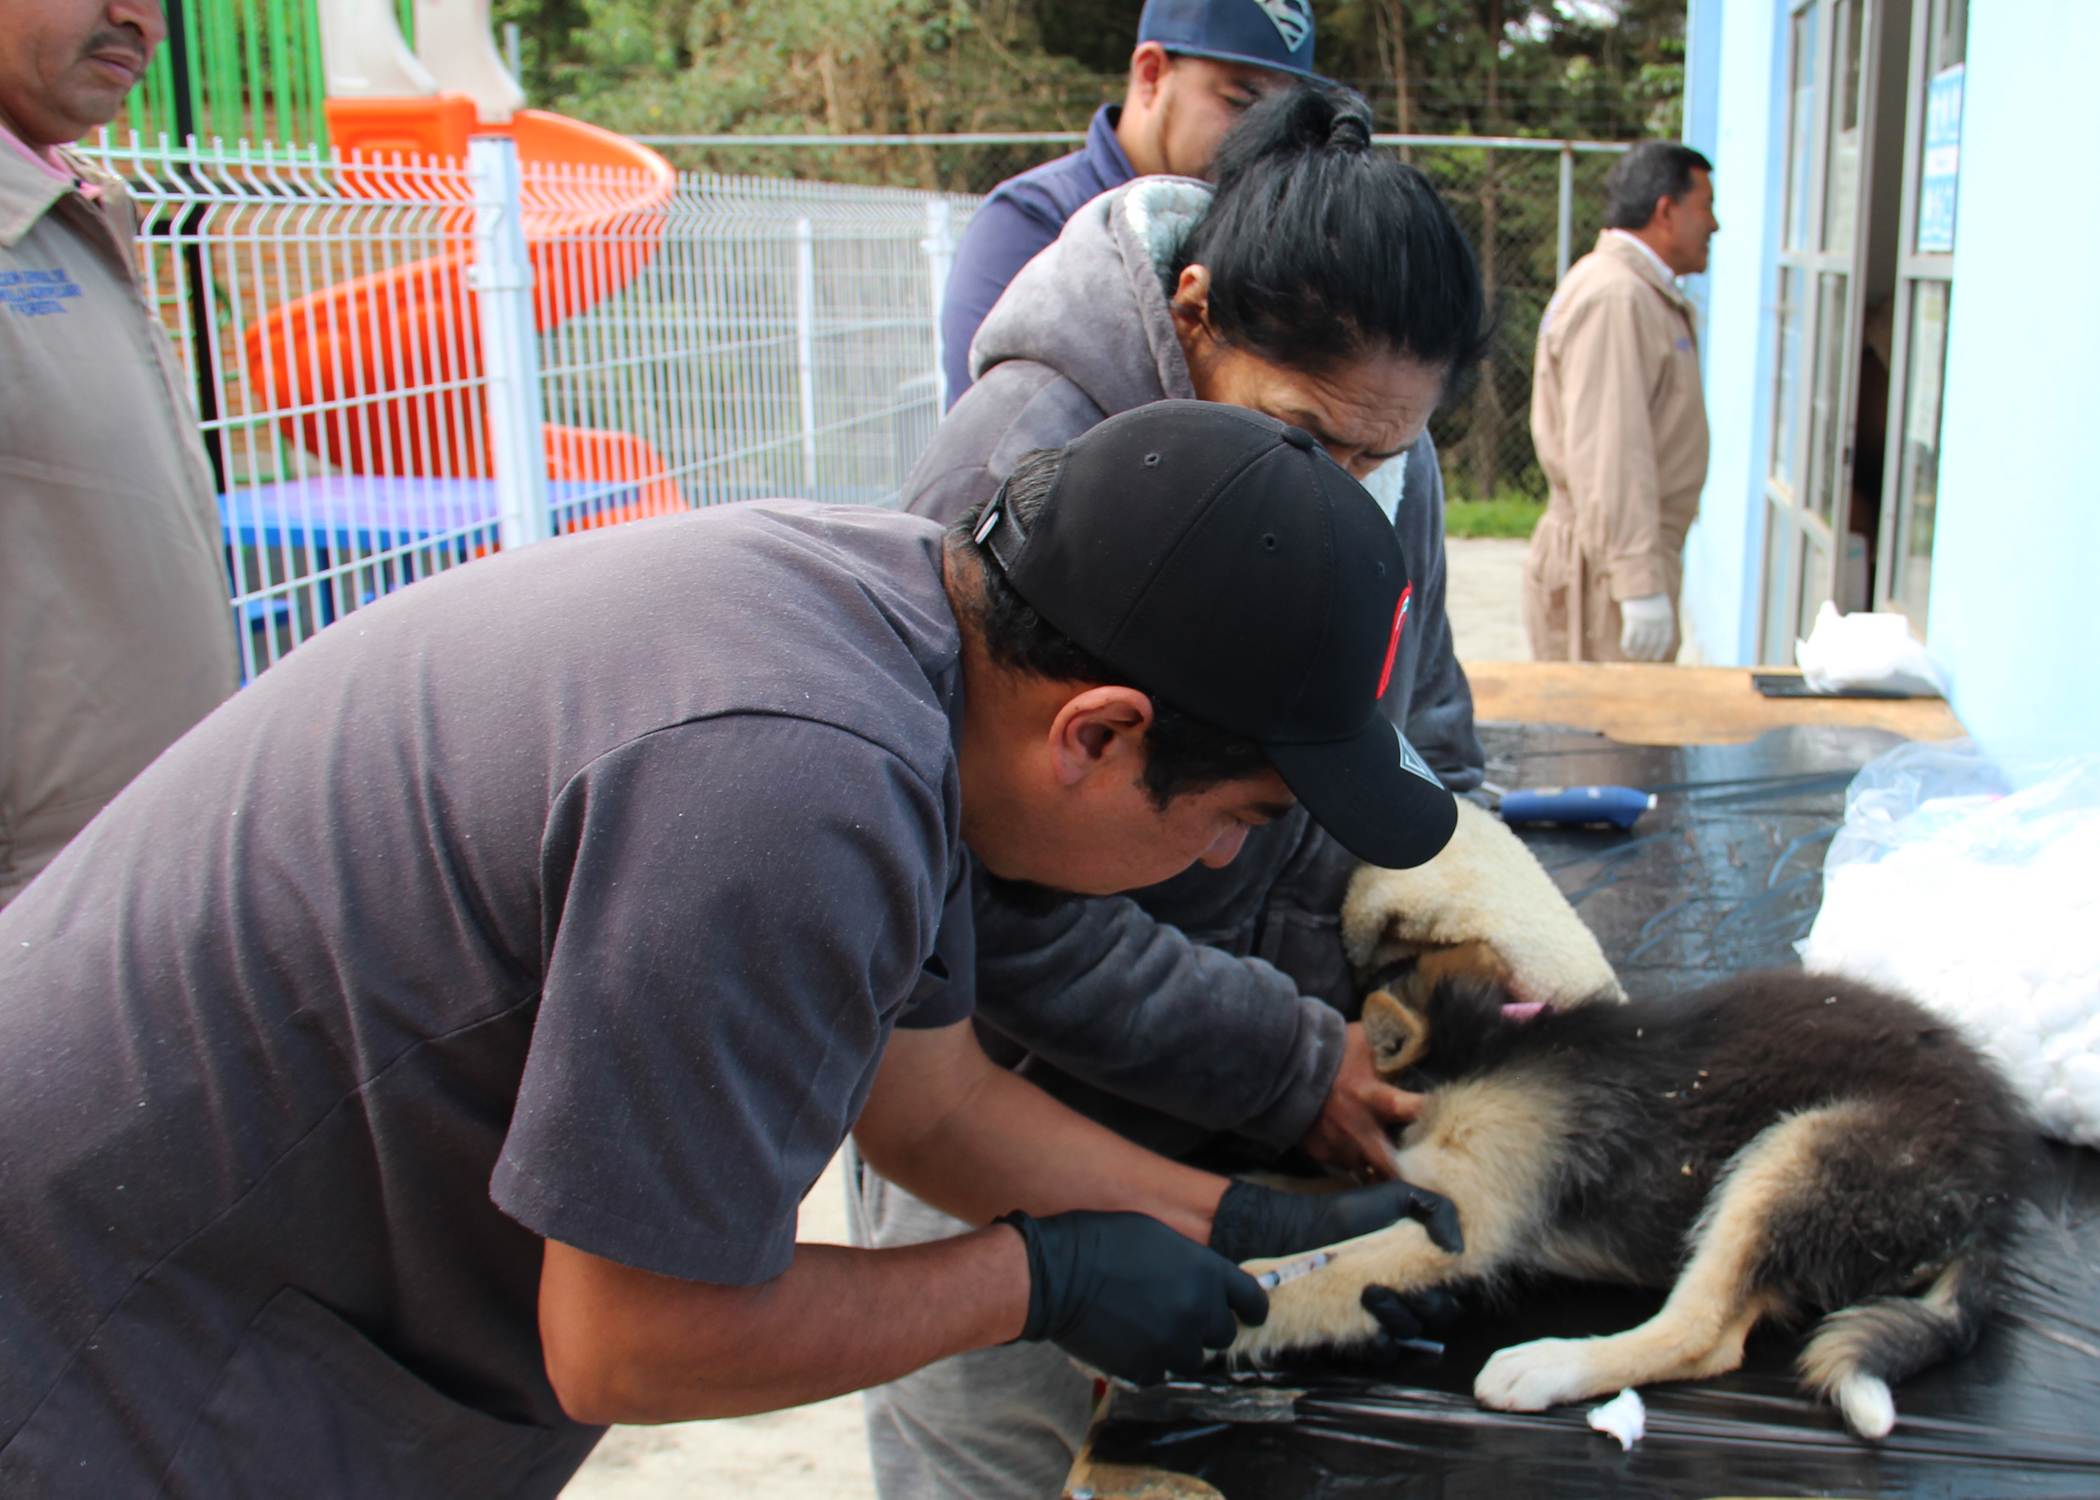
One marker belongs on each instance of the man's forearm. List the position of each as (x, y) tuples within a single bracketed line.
[(976, 1142), (624, 1345)]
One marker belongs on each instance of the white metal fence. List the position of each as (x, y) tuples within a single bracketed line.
[(1530, 207), (402, 366)]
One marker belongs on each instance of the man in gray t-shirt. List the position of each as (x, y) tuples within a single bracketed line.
[(422, 1061)]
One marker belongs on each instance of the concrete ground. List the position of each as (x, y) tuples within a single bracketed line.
[(818, 1452), (1484, 591)]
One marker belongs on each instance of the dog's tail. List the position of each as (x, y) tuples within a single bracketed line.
[(1858, 1352)]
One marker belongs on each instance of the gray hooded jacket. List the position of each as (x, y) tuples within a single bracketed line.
[(1212, 1003)]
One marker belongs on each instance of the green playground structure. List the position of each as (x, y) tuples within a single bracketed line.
[(238, 70)]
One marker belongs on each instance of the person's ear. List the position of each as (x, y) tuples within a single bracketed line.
[(1096, 729), (1191, 302), (1149, 66)]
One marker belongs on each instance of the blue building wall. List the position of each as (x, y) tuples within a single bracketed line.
[(1744, 116), (1702, 100), (2015, 612)]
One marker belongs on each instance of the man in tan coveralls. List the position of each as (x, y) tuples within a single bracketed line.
[(1619, 421), (115, 632)]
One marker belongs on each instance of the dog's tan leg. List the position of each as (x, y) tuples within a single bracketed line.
[(1713, 1307), (1489, 1146)]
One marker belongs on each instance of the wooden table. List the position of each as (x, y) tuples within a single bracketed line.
[(1638, 703)]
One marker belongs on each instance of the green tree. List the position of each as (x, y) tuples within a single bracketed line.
[(1608, 69), (835, 67), (550, 31), (1547, 69), (1554, 69), (1602, 69)]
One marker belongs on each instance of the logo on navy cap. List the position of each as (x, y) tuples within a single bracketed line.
[(1293, 19)]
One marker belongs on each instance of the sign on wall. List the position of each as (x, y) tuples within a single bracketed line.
[(1942, 175)]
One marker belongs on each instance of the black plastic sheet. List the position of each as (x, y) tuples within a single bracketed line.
[(1725, 874)]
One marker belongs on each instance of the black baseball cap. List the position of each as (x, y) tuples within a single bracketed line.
[(1220, 559), (1267, 33)]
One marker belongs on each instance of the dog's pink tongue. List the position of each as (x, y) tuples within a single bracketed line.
[(1522, 1011)]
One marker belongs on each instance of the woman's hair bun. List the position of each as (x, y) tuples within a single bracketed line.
[(1308, 117), (1322, 249)]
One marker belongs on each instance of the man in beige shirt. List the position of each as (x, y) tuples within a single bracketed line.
[(115, 630), (1619, 421)]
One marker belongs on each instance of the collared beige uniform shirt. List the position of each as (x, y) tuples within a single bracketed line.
[(115, 630), (1619, 423)]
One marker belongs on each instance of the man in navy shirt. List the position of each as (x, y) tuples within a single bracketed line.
[(1198, 65)]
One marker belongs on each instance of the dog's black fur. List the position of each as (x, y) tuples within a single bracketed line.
[(1656, 1086), (1657, 1097)]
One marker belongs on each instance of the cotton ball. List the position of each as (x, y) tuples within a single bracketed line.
[(2021, 1042), (2081, 1080), (1985, 910), (2030, 1081), (2056, 1114), (2059, 1007), (2018, 1054), (1623, 1417)]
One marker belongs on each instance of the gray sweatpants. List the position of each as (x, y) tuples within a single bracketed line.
[(993, 1424)]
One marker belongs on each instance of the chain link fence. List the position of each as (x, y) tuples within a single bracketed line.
[(1513, 199), (1512, 203)]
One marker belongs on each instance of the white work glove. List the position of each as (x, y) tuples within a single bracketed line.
[(1645, 627)]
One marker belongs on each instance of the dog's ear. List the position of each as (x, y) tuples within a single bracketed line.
[(1397, 1032)]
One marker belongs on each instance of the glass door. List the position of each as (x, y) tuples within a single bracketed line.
[(1829, 148), (1924, 295)]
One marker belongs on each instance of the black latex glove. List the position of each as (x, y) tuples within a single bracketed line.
[(1129, 1296), (1407, 1333), (1258, 1223), (1406, 1319)]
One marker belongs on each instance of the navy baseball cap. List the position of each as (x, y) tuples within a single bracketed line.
[(1267, 33), (1221, 559)]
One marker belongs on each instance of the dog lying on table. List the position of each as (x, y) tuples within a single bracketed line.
[(1777, 1145)]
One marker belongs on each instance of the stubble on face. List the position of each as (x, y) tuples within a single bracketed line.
[(1201, 102), (1696, 226), (65, 68)]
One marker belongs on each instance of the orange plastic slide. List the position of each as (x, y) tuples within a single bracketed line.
[(367, 366)]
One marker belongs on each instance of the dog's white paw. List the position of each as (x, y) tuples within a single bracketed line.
[(1867, 1405), (1534, 1376)]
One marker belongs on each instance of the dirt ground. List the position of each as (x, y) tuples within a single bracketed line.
[(818, 1452)]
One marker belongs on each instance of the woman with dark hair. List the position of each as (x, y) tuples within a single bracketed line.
[(1324, 283), (1324, 263)]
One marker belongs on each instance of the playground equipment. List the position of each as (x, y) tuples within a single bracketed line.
[(357, 365)]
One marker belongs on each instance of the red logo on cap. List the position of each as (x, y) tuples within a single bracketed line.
[(1392, 647)]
